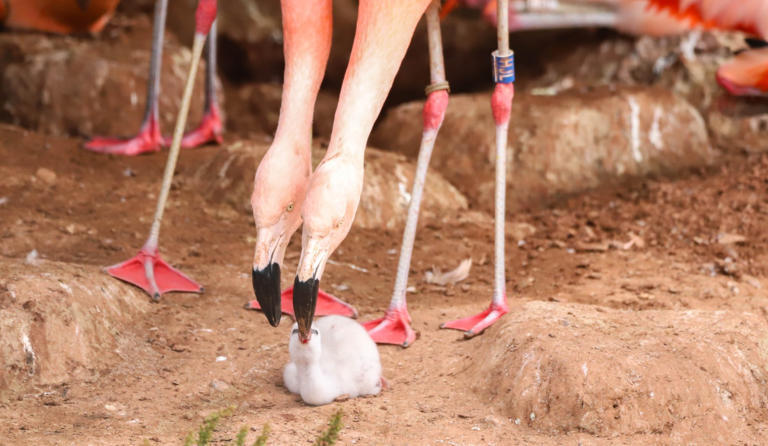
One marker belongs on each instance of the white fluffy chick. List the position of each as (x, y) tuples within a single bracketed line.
[(339, 359)]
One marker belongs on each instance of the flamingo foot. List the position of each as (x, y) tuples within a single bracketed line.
[(152, 274), (148, 140), (393, 328), (209, 130), (474, 325), (326, 305)]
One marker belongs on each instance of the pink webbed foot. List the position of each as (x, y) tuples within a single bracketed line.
[(148, 140), (326, 305), (393, 328), (474, 325), (209, 131), (152, 274)]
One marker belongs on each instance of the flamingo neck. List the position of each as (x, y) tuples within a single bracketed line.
[(384, 30)]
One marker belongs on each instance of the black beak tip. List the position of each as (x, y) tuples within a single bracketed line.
[(304, 302), (266, 286)]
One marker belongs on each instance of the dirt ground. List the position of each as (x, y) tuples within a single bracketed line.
[(699, 244), (639, 311)]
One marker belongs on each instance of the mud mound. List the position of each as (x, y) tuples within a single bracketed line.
[(228, 178), (559, 144), (64, 85), (690, 376), (60, 322), (685, 65)]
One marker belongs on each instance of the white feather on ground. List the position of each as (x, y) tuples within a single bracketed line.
[(450, 277)]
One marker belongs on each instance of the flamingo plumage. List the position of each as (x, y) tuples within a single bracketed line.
[(57, 16), (745, 75)]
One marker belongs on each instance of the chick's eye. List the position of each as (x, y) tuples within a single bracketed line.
[(315, 332), (290, 207)]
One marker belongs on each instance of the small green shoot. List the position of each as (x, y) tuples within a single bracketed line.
[(205, 432), (330, 436), (262, 439)]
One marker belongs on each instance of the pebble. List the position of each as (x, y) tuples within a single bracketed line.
[(219, 385), (47, 175), (32, 257)]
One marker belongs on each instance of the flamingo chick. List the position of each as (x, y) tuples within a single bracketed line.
[(340, 359)]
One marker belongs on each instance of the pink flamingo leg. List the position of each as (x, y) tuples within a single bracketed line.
[(147, 270), (395, 326), (150, 139), (153, 275), (211, 126), (501, 104)]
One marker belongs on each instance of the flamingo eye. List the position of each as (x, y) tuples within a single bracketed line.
[(290, 207)]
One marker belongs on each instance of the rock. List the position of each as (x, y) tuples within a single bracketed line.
[(608, 372), (557, 144), (219, 386), (739, 125), (725, 238), (228, 178), (736, 124), (520, 230), (63, 85), (61, 322), (46, 175)]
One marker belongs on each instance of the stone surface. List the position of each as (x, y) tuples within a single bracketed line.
[(65, 85), (561, 368), (557, 144), (228, 178), (684, 64), (60, 322)]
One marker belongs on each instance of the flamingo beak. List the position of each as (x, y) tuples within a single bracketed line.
[(266, 286), (304, 301)]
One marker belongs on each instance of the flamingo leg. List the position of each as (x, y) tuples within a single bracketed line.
[(147, 270), (282, 178), (149, 138), (395, 326), (384, 30), (211, 127), (501, 104)]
